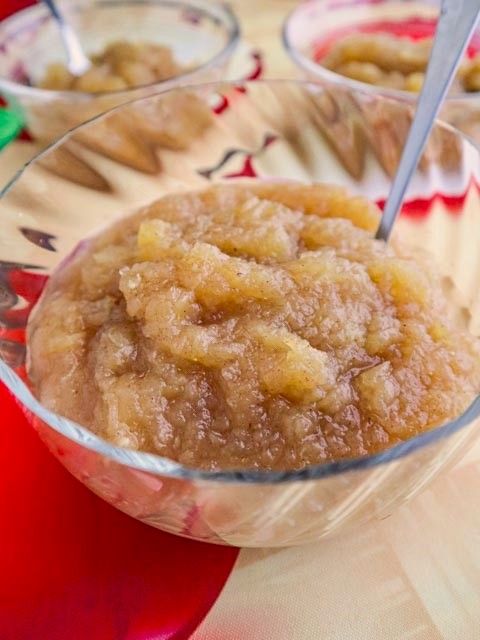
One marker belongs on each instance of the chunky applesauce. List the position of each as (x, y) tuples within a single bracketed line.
[(253, 326), (393, 62), (122, 65)]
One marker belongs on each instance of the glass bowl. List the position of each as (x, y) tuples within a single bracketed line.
[(278, 130), (312, 27), (202, 35)]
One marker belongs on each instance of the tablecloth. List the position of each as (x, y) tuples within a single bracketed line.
[(73, 568)]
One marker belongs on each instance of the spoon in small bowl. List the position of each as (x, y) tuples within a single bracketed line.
[(455, 25), (77, 61)]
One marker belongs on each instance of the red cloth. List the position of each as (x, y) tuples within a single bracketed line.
[(74, 568), (7, 7)]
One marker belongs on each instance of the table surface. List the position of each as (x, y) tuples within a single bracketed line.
[(413, 576)]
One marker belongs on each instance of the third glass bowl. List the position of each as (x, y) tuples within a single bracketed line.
[(314, 25)]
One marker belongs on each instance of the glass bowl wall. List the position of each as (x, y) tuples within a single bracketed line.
[(276, 130)]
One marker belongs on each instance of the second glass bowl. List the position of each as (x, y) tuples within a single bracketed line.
[(202, 35), (313, 26), (261, 130)]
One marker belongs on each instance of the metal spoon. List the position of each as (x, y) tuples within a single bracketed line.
[(455, 26), (77, 61)]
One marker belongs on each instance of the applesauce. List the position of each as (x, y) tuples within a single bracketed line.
[(250, 326), (393, 62), (122, 65)]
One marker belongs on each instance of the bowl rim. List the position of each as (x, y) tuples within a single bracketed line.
[(158, 465), (230, 20), (320, 72)]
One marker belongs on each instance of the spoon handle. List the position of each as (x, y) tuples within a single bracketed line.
[(78, 63), (455, 25)]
